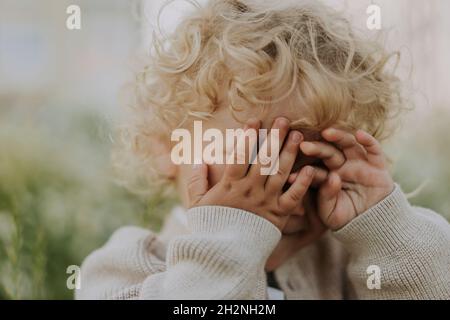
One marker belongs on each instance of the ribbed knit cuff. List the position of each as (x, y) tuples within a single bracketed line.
[(241, 223), (381, 229), (212, 219), (222, 235)]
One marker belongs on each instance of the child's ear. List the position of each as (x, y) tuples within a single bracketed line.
[(163, 163)]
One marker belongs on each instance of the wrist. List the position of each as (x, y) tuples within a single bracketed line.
[(237, 228), (382, 193), (382, 228)]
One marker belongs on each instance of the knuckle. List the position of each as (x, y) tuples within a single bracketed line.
[(303, 185), (247, 189), (295, 196), (261, 202), (281, 172), (192, 182), (227, 185), (299, 192)]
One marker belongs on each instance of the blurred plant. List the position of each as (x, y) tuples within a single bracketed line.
[(58, 201), (421, 158)]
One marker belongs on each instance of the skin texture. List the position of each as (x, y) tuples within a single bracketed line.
[(243, 186)]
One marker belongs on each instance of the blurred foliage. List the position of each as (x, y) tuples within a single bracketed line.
[(421, 160), (58, 201)]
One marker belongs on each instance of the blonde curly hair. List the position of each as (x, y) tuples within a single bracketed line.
[(306, 48)]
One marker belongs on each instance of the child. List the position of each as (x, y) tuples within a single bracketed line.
[(329, 224)]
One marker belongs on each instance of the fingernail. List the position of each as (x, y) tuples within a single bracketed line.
[(296, 137), (330, 131), (309, 171), (282, 122)]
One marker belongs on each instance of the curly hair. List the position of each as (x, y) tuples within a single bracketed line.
[(307, 49)]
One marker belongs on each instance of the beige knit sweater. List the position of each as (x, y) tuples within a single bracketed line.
[(222, 253)]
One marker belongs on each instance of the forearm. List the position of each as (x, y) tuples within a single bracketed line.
[(222, 258), (411, 247)]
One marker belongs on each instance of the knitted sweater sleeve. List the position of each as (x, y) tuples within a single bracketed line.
[(222, 257), (398, 252)]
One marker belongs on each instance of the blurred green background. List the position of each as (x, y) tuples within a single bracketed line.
[(58, 104), (58, 200)]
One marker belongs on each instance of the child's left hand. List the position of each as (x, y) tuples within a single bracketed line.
[(358, 177)]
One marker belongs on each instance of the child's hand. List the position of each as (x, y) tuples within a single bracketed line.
[(358, 177), (242, 186)]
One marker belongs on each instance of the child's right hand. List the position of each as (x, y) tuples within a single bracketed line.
[(243, 187)]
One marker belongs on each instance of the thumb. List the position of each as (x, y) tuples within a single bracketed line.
[(198, 183)]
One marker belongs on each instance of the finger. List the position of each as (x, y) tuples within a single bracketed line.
[(372, 146), (328, 195), (294, 195), (316, 226), (340, 137), (238, 160), (346, 142), (320, 176), (360, 173), (197, 185), (332, 157), (287, 158), (267, 159)]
